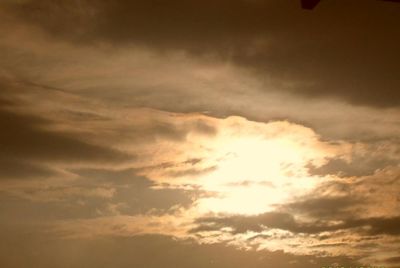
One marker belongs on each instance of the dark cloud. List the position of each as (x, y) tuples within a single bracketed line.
[(377, 225), (352, 58), (24, 136), (134, 193), (285, 221), (77, 116), (65, 206), (28, 146), (12, 168), (359, 166), (257, 223), (158, 129), (29, 149), (190, 172), (96, 193), (393, 260), (151, 251), (179, 133), (325, 206)]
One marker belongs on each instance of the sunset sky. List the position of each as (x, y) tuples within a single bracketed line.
[(199, 133)]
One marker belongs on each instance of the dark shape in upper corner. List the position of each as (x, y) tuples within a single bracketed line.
[(310, 4)]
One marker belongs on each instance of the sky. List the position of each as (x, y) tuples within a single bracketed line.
[(188, 133)]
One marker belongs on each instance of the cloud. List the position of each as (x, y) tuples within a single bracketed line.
[(25, 136), (323, 207), (287, 222), (393, 260), (152, 251), (364, 160), (94, 193), (340, 167), (136, 194), (248, 123), (71, 79), (19, 169), (310, 54), (33, 148), (258, 223), (378, 226)]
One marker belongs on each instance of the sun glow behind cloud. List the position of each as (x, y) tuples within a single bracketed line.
[(256, 166), (258, 173)]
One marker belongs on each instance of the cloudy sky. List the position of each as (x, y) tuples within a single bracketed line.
[(199, 133)]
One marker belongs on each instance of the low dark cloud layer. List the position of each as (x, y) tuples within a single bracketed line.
[(144, 251)]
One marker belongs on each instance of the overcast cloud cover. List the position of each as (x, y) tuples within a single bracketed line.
[(188, 133)]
